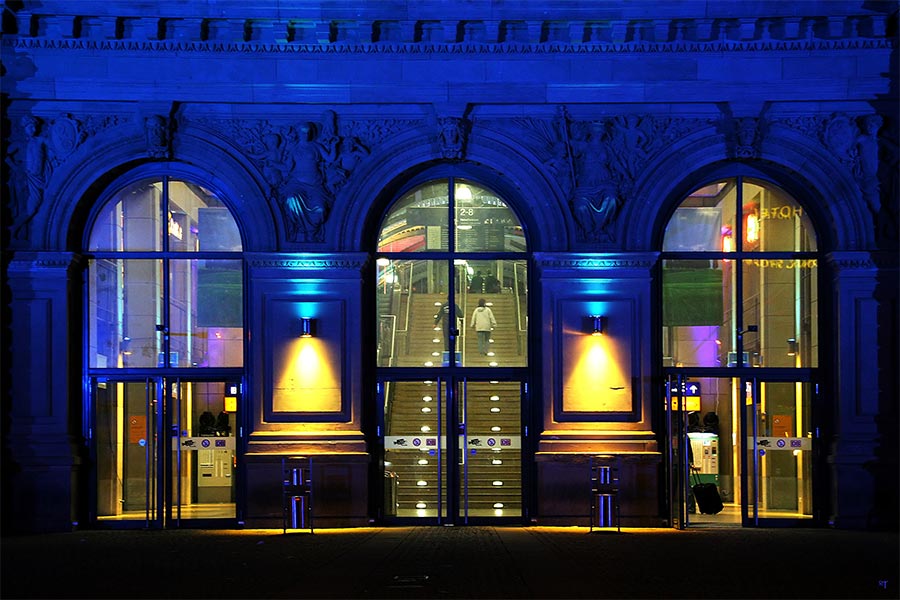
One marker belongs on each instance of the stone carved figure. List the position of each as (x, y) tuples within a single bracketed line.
[(452, 137), (595, 211), (31, 169), (746, 132), (866, 170), (840, 137), (306, 201), (858, 148), (305, 166), (595, 202), (340, 154), (629, 141), (156, 134)]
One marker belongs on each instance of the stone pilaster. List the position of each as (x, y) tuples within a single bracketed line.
[(863, 449), (44, 441)]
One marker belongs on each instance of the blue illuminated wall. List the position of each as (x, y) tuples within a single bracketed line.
[(307, 118)]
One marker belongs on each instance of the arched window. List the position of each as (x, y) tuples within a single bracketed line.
[(452, 291), (165, 285), (442, 230), (740, 279)]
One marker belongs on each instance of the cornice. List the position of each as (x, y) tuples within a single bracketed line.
[(490, 37)]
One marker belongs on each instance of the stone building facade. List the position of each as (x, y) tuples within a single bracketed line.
[(309, 147)]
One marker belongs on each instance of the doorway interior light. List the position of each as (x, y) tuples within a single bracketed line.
[(463, 192), (306, 327), (598, 323)]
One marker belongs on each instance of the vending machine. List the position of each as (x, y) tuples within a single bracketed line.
[(705, 448)]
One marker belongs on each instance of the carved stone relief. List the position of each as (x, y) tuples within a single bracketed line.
[(157, 134), (29, 158), (596, 163), (305, 166), (38, 147), (746, 137), (452, 137)]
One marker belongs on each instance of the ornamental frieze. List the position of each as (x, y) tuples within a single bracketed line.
[(582, 262), (311, 263)]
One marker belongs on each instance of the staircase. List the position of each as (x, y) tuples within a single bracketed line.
[(492, 466), (421, 344)]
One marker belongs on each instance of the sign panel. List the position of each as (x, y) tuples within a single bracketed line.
[(203, 443), (783, 443)]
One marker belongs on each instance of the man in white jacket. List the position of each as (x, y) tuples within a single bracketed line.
[(483, 321)]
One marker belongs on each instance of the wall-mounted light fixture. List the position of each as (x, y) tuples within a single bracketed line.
[(792, 347), (599, 324), (306, 327)]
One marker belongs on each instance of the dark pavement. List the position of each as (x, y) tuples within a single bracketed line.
[(453, 562)]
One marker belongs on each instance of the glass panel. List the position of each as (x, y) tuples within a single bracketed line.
[(130, 221), (780, 297), (203, 455), (415, 466), (491, 465), (418, 222), (697, 312), (493, 295), (126, 452), (125, 304), (484, 223), (704, 222), (198, 221), (206, 313), (783, 446), (414, 320), (393, 302), (773, 221)]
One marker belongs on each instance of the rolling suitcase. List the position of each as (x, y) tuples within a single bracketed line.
[(706, 495)]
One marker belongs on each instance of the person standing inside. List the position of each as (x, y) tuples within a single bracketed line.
[(443, 321), (483, 321)]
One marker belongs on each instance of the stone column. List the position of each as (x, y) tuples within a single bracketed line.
[(44, 444)]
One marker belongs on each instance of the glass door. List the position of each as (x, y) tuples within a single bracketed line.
[(752, 439), (126, 450), (164, 450), (778, 458), (452, 450), (490, 449)]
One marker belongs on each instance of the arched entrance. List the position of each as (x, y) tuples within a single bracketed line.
[(452, 353), (164, 354), (740, 341)]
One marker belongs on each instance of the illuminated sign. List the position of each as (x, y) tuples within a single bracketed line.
[(690, 395)]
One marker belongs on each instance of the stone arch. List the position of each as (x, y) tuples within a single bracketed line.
[(493, 159), (799, 165), (83, 180)]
